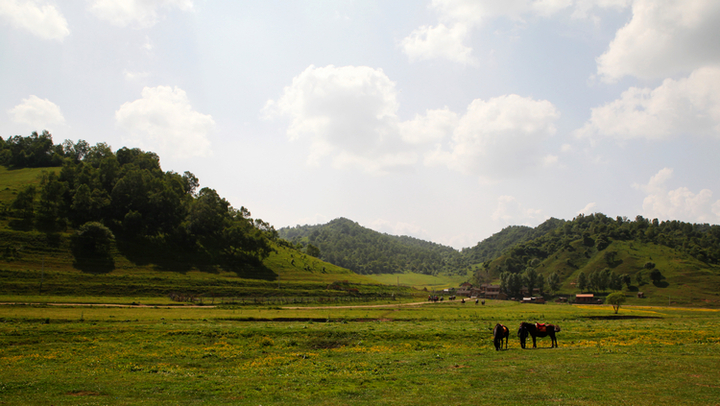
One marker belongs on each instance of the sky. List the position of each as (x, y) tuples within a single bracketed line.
[(445, 120)]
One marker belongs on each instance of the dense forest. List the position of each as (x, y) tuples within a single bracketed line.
[(701, 241), (345, 243), (544, 257), (582, 250), (125, 197), (495, 245)]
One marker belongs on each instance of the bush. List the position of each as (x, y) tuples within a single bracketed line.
[(95, 237)]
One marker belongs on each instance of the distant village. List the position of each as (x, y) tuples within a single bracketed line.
[(490, 291)]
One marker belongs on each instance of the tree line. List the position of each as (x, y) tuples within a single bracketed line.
[(345, 243), (125, 196)]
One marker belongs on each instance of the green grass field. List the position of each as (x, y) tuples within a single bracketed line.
[(419, 281), (398, 354)]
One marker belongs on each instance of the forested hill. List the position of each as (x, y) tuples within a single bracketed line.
[(594, 253), (345, 243), (498, 243), (123, 199)]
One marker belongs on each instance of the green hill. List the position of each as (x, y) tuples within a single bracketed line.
[(365, 251), (494, 246), (670, 262), (85, 220)]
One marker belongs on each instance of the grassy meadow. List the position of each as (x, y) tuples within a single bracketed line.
[(439, 353)]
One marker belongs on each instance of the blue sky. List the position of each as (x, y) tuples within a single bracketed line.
[(446, 120)]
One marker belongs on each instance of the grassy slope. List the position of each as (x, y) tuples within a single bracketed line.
[(12, 181), (420, 281), (26, 257), (687, 280)]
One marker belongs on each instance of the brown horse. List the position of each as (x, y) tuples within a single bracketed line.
[(538, 330), (500, 332)]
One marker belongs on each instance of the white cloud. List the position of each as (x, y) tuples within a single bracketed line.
[(37, 113), (588, 209), (350, 114), (499, 138), (440, 41), (663, 38), (347, 112), (433, 126), (164, 121), (690, 106), (132, 76), (41, 19), (678, 204), (136, 13), (511, 212), (457, 19)]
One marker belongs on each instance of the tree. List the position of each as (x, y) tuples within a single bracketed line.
[(627, 280), (604, 279), (615, 299), (582, 281), (615, 281), (24, 203), (656, 275), (95, 237), (541, 285), (553, 281), (313, 251), (639, 278), (531, 278)]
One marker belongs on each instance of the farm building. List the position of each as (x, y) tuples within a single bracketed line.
[(586, 298)]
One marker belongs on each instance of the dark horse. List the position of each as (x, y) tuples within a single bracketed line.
[(538, 330), (500, 332)]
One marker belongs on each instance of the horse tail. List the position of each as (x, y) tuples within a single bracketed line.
[(557, 328)]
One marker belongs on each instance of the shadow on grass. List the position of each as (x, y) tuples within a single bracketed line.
[(89, 260), (173, 258)]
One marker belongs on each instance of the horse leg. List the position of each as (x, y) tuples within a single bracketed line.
[(534, 345)]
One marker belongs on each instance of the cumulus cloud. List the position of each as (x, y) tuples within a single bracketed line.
[(499, 138), (37, 113), (41, 19), (163, 121), (350, 114), (678, 204), (690, 105), (457, 19), (433, 126), (511, 212), (663, 38), (440, 41), (135, 13)]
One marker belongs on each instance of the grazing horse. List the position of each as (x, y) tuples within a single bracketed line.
[(538, 330), (500, 332)]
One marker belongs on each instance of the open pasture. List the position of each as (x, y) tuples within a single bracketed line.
[(439, 353)]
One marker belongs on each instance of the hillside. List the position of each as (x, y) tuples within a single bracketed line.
[(113, 223), (495, 245), (670, 262), (365, 251)]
